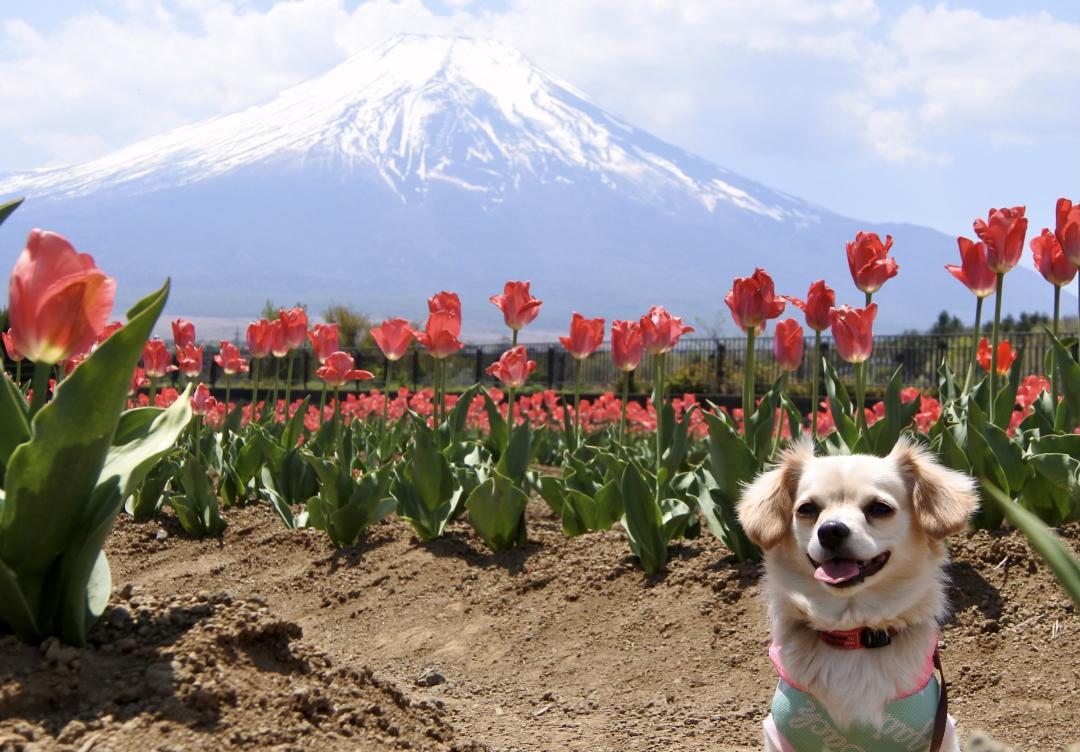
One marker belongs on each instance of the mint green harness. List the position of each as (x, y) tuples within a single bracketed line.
[(806, 727)]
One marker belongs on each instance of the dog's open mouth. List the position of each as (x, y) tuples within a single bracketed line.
[(847, 572)]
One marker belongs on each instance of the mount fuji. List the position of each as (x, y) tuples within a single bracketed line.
[(428, 163)]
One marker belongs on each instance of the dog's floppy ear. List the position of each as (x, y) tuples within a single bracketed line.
[(943, 499), (766, 505)]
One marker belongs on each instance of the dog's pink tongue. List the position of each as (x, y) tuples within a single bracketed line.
[(837, 571)]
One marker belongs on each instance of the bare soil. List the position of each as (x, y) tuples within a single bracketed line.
[(272, 639)]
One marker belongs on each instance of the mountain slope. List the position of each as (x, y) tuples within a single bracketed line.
[(428, 163)]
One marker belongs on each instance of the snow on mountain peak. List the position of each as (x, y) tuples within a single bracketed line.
[(424, 113)]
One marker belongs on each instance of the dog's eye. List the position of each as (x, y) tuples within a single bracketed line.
[(878, 509), (808, 509)]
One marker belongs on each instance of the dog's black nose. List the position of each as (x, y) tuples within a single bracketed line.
[(833, 533)]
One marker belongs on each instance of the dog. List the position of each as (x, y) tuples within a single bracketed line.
[(855, 589)]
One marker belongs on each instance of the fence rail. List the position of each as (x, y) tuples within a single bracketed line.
[(702, 366)]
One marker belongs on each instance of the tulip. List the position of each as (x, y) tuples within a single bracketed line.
[(870, 263), (1067, 231), (73, 362), (202, 401), (518, 306), (440, 339), (183, 333), (229, 360), (660, 331), (13, 354), (586, 335), (976, 275), (1003, 232), (294, 322), (393, 337), (1005, 356), (260, 336), (190, 360), (627, 348), (853, 332), (59, 302), (156, 359), (820, 299), (753, 301), (788, 344), (325, 340), (513, 369), (338, 369)]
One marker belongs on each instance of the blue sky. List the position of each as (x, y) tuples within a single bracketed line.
[(880, 109)]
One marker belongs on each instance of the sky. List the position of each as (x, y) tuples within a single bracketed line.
[(883, 110)]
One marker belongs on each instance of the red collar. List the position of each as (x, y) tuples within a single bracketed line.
[(854, 639)]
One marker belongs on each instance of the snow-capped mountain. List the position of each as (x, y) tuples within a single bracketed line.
[(427, 163)]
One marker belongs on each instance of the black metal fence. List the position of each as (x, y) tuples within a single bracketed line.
[(701, 366)]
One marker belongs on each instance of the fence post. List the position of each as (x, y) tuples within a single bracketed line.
[(721, 354), (415, 369), (479, 364), (551, 367)]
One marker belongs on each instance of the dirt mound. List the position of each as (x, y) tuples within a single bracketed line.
[(198, 672), (559, 645)]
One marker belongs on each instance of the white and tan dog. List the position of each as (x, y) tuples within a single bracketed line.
[(854, 559)]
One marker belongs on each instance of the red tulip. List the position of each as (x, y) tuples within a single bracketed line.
[(279, 345), (1003, 234), (974, 271), (440, 335), (788, 344), (183, 333), (338, 368), (156, 359), (869, 261), (9, 345), (59, 300), (660, 331), (1005, 356), (202, 401), (753, 301), (324, 340), (393, 337), (627, 344), (517, 305), (259, 338), (853, 331), (819, 299), (513, 368), (109, 330), (74, 362), (190, 360), (1068, 229), (294, 323), (446, 302), (585, 336), (1051, 260), (138, 380), (229, 359)]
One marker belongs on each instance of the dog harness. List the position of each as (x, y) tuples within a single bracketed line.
[(799, 724)]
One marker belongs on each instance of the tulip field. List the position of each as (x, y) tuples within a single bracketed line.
[(103, 426)]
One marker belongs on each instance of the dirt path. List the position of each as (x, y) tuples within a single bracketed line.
[(562, 645)]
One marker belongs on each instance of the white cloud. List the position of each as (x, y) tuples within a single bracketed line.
[(771, 75)]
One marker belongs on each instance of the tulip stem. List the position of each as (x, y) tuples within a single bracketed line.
[(748, 378), (274, 395), (40, 385), (860, 398), (1053, 367), (196, 424), (385, 401), (435, 393), (18, 372), (975, 347), (625, 398), (153, 389), (780, 417), (337, 413), (288, 383), (577, 402), (660, 365), (322, 404), (255, 389), (228, 396), (994, 345), (815, 385)]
